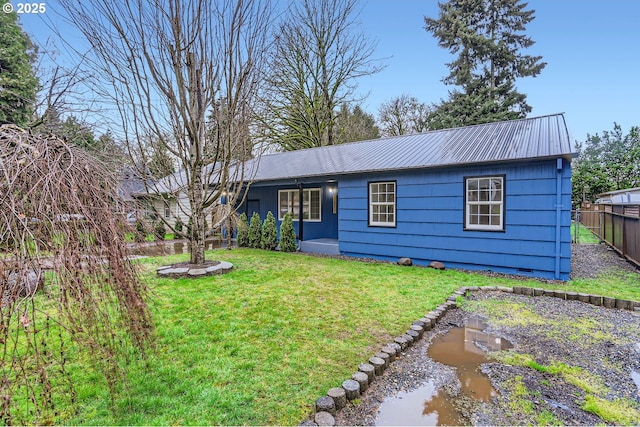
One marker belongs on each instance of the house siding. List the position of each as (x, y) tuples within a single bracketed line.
[(267, 198), (430, 219)]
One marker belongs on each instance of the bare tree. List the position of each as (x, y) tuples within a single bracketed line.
[(403, 115), (171, 65), (56, 213), (319, 56)]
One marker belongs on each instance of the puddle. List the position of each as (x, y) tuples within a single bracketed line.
[(635, 376), (404, 409), (159, 249), (462, 348)]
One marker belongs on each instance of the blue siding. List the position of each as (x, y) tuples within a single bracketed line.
[(429, 224), (267, 197)]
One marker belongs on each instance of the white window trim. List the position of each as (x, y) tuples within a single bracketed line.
[(467, 219), (394, 204), (296, 209)]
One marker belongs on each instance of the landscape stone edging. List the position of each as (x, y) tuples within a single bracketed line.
[(178, 272), (323, 417)]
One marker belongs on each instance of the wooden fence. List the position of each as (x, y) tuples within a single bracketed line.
[(618, 225)]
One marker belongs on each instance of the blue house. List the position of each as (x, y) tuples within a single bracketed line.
[(493, 197)]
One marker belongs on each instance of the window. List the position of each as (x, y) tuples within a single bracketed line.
[(382, 204), (289, 202), (167, 211), (484, 205)]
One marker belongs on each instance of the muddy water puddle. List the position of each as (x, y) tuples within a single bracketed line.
[(462, 348), (169, 248)]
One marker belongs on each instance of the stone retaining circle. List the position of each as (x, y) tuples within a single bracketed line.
[(375, 366), (189, 270)]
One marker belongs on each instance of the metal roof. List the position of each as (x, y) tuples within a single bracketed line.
[(530, 138), (524, 139)]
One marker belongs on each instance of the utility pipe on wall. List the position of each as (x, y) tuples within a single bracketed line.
[(558, 217)]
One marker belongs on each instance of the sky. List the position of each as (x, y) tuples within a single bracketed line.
[(592, 50)]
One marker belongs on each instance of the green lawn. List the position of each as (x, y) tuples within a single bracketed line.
[(584, 235), (259, 345)]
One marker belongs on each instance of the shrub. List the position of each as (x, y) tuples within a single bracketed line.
[(178, 227), (159, 230), (287, 235), (243, 231), (269, 232), (141, 231), (255, 231)]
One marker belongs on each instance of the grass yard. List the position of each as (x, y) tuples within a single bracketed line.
[(259, 345), (584, 235)]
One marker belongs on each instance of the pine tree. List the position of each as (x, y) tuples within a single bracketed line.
[(487, 36), (18, 83), (255, 231), (269, 232), (287, 234), (243, 231)]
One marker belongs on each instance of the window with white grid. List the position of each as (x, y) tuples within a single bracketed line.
[(484, 206), (382, 204)]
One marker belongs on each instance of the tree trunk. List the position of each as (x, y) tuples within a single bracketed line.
[(197, 232)]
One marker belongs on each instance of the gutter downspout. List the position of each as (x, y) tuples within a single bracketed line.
[(558, 216)]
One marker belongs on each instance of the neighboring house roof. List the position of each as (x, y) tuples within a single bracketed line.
[(627, 195), (524, 139), (129, 185)]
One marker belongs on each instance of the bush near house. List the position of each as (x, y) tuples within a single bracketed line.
[(255, 231), (159, 230), (243, 231), (141, 231), (269, 233), (287, 235), (178, 227)]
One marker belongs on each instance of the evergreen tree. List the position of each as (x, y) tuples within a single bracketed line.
[(18, 82), (355, 125), (255, 231), (287, 234), (269, 232), (606, 162), (243, 231), (488, 37)]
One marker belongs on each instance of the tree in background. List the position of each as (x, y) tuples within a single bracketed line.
[(606, 163), (18, 82), (318, 58), (354, 125), (174, 66), (403, 115), (488, 38)]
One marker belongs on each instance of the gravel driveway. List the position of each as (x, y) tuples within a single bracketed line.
[(609, 352)]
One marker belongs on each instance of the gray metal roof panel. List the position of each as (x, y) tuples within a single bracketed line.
[(530, 138)]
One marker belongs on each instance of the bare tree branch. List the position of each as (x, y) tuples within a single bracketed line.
[(177, 68), (57, 213)]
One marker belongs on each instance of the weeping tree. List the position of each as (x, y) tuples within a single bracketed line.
[(56, 215), (187, 75)]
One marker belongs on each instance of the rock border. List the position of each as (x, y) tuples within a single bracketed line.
[(176, 272), (325, 407)]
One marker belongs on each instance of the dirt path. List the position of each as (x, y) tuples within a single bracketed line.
[(567, 356)]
